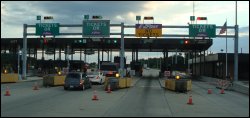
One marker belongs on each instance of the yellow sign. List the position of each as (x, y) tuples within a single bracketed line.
[(148, 30), (148, 18)]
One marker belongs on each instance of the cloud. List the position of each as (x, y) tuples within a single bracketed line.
[(119, 17), (72, 12), (19, 13), (3, 8), (244, 31), (15, 14)]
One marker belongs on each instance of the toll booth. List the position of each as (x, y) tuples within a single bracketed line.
[(50, 66), (137, 66), (117, 60)]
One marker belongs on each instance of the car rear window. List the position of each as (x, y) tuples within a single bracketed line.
[(73, 75), (109, 67), (92, 73)]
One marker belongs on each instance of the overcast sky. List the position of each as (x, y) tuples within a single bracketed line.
[(14, 14)]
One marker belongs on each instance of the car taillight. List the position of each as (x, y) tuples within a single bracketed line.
[(97, 77), (81, 81)]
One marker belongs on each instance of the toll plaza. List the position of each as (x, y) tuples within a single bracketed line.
[(96, 38), (57, 52), (57, 46)]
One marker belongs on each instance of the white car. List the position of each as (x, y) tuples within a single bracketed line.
[(96, 77)]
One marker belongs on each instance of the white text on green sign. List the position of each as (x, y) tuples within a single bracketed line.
[(47, 29), (202, 30), (96, 28)]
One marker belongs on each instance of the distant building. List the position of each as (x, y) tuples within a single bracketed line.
[(215, 65)]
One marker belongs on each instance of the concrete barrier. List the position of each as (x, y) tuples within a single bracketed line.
[(124, 82), (10, 77), (172, 83), (59, 80), (53, 80)]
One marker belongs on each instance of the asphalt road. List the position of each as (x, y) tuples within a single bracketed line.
[(55, 101), (145, 98)]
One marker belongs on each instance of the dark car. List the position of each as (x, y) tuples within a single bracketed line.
[(76, 80)]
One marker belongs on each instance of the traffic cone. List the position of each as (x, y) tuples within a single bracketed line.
[(109, 91), (222, 91), (7, 91), (35, 86), (190, 100), (209, 91), (95, 96)]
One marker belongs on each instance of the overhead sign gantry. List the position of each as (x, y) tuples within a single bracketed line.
[(101, 28)]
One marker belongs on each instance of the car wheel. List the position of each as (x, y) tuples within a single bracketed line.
[(100, 82), (103, 81), (83, 87), (90, 85), (65, 88)]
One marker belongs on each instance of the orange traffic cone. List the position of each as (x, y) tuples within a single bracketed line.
[(7, 91), (222, 91), (95, 96), (209, 91), (109, 91), (190, 100), (35, 86)]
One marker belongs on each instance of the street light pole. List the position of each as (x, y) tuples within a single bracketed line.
[(176, 56), (226, 52), (18, 62), (236, 47), (24, 52), (68, 57), (122, 51)]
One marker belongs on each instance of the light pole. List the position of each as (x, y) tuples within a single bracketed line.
[(122, 51), (18, 62), (68, 57), (236, 46), (176, 56), (226, 53)]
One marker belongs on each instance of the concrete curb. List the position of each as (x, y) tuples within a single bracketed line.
[(31, 79), (162, 82), (237, 86), (134, 80)]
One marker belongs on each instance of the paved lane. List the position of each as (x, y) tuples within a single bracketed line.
[(146, 98), (54, 101)]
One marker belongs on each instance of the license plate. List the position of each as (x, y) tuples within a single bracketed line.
[(71, 86)]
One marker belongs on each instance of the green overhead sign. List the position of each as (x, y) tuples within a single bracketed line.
[(96, 28), (47, 29), (86, 17), (192, 18), (202, 30)]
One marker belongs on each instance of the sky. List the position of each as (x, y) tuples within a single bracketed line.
[(16, 13)]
